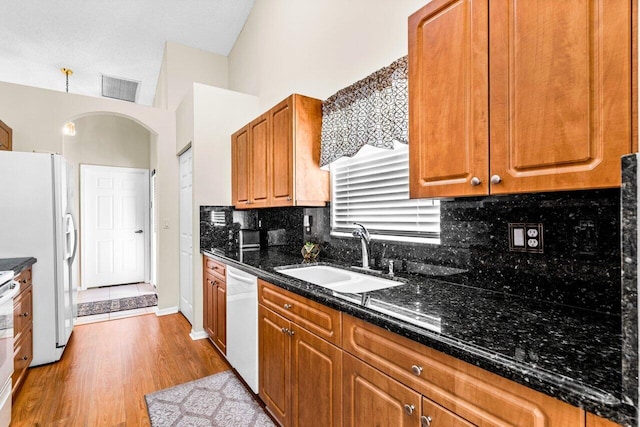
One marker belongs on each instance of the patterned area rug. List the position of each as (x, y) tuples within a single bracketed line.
[(120, 304), (217, 400)]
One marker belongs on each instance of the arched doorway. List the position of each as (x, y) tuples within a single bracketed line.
[(113, 149)]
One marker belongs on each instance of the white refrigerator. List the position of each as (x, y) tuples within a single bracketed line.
[(36, 220)]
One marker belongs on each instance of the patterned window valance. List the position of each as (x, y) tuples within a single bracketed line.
[(373, 111)]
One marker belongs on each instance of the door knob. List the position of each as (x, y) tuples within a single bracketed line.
[(138, 231)]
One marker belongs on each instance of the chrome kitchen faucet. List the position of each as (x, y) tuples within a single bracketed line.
[(365, 239)]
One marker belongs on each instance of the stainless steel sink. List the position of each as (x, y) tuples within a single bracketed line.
[(338, 279)]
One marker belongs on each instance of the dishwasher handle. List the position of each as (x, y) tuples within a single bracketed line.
[(241, 277)]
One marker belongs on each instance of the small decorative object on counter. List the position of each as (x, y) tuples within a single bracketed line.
[(310, 252)]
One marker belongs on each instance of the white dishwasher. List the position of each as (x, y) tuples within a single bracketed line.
[(242, 325)]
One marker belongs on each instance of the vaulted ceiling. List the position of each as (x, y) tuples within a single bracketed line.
[(121, 38)]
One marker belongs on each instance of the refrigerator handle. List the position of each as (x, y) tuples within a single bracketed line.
[(71, 229)]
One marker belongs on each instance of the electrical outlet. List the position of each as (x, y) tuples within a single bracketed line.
[(526, 237)]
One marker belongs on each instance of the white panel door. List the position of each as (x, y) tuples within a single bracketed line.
[(115, 222), (186, 235)]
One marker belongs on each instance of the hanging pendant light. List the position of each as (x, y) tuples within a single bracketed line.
[(69, 128)]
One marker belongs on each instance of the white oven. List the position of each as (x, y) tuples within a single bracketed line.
[(8, 289)]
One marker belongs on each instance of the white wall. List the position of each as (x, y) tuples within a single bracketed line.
[(37, 116), (108, 140), (316, 47), (181, 67), (205, 119)]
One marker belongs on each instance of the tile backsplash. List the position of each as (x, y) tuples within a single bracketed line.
[(580, 265)]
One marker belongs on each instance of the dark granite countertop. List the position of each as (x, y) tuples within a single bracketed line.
[(569, 353), (16, 264)]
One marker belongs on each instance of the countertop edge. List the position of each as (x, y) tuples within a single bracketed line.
[(17, 265), (563, 389)]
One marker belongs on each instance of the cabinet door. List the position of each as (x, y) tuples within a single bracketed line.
[(207, 298), (372, 398), (448, 99), (281, 178), (316, 381), (260, 159), (275, 359), (221, 316), (240, 167), (213, 306), (560, 93), (6, 134)]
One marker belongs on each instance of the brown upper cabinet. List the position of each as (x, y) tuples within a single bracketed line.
[(515, 96), (6, 136), (276, 157)]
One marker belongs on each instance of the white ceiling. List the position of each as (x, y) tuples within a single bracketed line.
[(122, 38)]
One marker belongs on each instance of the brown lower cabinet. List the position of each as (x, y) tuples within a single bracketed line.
[(369, 376), (23, 330), (300, 373), (214, 297)]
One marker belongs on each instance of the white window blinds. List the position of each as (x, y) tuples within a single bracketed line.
[(372, 188)]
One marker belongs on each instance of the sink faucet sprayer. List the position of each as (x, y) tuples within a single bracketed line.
[(365, 239)]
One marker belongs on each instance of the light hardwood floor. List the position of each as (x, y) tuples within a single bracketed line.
[(107, 369)]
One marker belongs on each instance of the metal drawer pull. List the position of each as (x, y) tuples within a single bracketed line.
[(408, 409), (425, 421), (417, 370), (288, 306)]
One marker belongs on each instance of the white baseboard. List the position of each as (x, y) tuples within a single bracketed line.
[(199, 335), (165, 311)]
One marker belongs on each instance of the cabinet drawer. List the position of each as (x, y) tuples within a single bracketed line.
[(22, 311), (24, 278), (315, 317), (474, 394), (436, 415), (216, 268), (22, 357)]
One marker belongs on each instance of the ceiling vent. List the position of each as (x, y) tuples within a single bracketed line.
[(117, 88)]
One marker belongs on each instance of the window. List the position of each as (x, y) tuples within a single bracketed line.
[(372, 188)]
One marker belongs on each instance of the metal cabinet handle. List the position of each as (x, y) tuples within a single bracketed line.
[(288, 306), (425, 421), (291, 333), (284, 330), (288, 198), (23, 281), (138, 231), (496, 179), (25, 314), (475, 181), (408, 409), (25, 357), (417, 370)]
